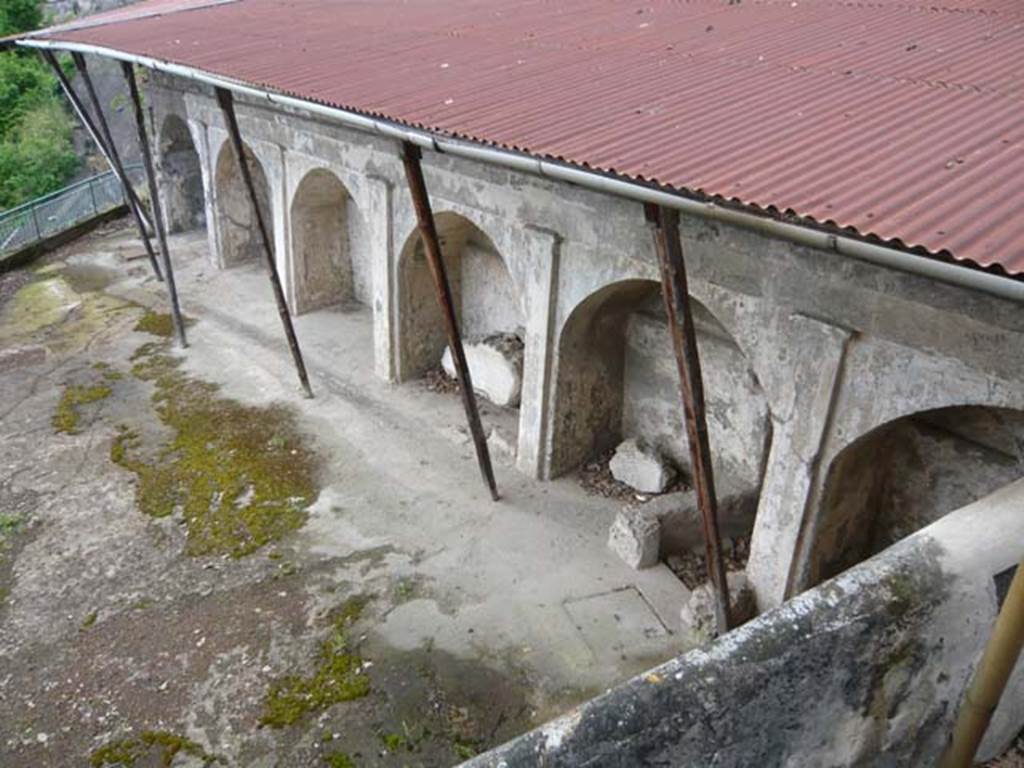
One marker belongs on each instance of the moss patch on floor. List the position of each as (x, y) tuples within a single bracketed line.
[(240, 475), (338, 676), (155, 747), (338, 760), (158, 324), (67, 417)]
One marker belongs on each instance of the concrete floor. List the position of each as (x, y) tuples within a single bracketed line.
[(482, 618)]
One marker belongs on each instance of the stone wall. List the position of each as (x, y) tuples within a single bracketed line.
[(836, 347), (867, 669)]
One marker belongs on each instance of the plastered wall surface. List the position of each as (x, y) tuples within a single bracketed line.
[(832, 347)]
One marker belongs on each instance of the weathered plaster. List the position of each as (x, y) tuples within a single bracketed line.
[(836, 346)]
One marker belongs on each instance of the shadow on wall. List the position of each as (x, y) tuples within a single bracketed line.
[(485, 298), (907, 474), (617, 378), (181, 177), (239, 236)]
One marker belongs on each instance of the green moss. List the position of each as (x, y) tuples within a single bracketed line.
[(338, 676), (163, 746), (156, 323), (339, 760), (89, 620), (902, 591), (66, 418), (9, 524), (464, 749), (393, 742), (239, 475)]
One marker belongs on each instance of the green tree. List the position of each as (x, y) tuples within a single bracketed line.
[(39, 157), (36, 151), (20, 16)]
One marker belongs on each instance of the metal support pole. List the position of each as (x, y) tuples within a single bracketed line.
[(691, 386), (154, 201), (92, 197), (227, 105), (35, 220), (131, 199), (428, 231), (982, 698), (115, 159)]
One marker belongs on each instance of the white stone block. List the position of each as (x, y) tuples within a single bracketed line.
[(641, 467), (495, 365), (635, 536)]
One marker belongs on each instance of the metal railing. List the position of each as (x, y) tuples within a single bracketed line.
[(58, 211)]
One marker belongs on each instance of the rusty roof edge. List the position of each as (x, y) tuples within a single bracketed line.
[(750, 217)]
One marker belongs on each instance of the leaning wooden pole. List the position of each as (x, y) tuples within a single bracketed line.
[(112, 155), (986, 689), (154, 201), (691, 386), (227, 105), (435, 260)]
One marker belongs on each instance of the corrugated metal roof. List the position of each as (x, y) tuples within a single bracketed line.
[(893, 119)]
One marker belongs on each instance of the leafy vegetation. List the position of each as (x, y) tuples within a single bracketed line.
[(36, 153)]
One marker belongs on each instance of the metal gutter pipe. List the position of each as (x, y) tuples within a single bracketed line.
[(953, 274)]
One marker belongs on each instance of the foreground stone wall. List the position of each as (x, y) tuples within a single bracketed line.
[(868, 669), (837, 347)]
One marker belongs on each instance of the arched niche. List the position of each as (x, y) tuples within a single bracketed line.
[(239, 234), (616, 377), (484, 295), (322, 217), (907, 473), (181, 177)]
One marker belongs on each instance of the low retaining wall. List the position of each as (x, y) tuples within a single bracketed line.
[(866, 669)]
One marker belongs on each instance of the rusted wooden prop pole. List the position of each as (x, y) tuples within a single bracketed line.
[(112, 155), (154, 201), (691, 386), (432, 245), (227, 105), (83, 115)]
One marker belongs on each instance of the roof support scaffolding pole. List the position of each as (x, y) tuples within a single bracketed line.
[(435, 260), (227, 105), (154, 199), (90, 128), (134, 204), (691, 386)]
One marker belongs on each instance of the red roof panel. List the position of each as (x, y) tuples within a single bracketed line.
[(897, 119)]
